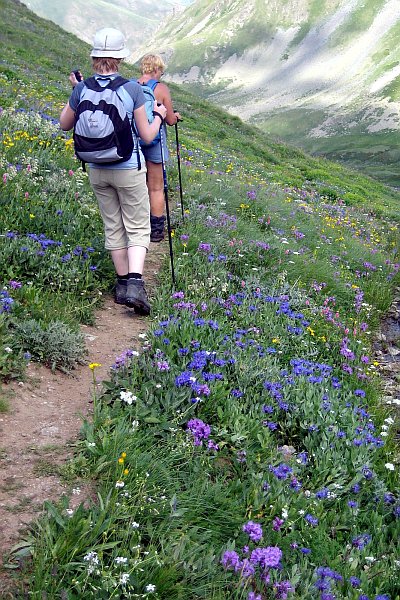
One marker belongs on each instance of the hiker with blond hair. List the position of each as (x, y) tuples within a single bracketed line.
[(152, 68), (119, 182)]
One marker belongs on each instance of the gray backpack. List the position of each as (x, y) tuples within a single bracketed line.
[(103, 133)]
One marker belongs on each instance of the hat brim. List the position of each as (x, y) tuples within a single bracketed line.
[(110, 53)]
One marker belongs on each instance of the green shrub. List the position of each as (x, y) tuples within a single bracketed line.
[(55, 344)]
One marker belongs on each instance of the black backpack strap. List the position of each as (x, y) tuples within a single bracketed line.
[(113, 84)]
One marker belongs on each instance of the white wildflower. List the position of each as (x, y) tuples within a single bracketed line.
[(121, 560), (93, 560), (150, 588), (127, 397), (91, 557), (124, 578), (389, 466)]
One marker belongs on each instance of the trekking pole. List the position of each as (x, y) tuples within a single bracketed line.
[(171, 254), (178, 156)]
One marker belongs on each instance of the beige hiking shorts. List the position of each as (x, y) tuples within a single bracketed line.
[(124, 205)]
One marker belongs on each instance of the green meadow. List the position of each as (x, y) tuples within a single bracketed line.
[(246, 451), (376, 154)]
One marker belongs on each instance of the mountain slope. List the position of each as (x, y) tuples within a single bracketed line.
[(323, 75), (138, 19)]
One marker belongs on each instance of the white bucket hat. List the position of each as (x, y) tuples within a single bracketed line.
[(109, 43)]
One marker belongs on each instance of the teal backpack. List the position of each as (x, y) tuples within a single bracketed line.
[(148, 90)]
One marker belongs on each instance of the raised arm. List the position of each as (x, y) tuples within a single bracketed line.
[(163, 95), (148, 131)]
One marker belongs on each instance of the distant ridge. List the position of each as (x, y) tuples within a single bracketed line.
[(322, 75), (138, 19)]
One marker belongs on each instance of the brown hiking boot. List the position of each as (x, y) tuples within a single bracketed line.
[(136, 297), (157, 228), (120, 291)]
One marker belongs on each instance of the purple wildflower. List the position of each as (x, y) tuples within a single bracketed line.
[(266, 557), (14, 284), (354, 582), (313, 521), (253, 530), (360, 541), (230, 560), (254, 596), (204, 247), (199, 430), (282, 589), (211, 445), (162, 365), (277, 524)]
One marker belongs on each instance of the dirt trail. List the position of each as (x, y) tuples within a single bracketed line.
[(45, 417)]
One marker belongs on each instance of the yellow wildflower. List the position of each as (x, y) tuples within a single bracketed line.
[(94, 366)]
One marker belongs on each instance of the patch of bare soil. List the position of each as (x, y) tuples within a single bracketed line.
[(46, 410)]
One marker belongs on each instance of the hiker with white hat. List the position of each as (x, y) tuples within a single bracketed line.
[(118, 182)]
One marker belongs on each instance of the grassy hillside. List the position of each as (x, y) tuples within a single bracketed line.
[(246, 452)]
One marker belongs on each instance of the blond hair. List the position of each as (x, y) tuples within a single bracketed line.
[(105, 65), (150, 63)]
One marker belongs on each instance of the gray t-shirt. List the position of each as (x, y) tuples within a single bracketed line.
[(132, 98)]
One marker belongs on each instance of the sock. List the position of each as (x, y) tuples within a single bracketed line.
[(122, 278), (134, 276)]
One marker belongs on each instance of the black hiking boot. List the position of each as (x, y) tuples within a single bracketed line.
[(136, 297), (120, 291), (157, 228)]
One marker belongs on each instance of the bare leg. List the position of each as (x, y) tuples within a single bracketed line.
[(155, 184), (136, 257), (120, 260), (129, 260)]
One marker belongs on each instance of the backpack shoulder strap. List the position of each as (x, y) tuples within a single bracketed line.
[(91, 83), (117, 82), (152, 83), (113, 84)]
